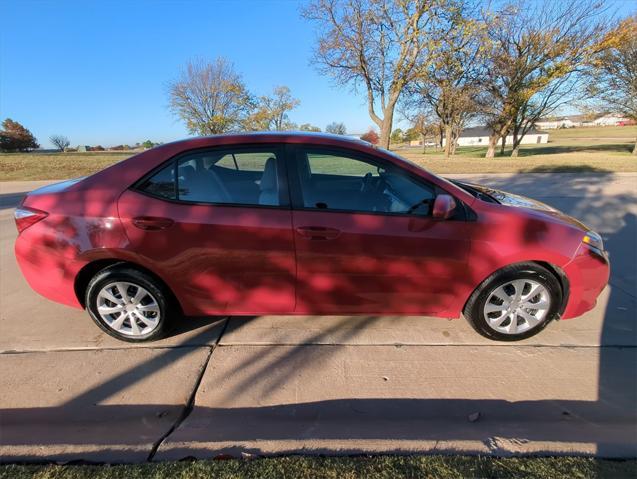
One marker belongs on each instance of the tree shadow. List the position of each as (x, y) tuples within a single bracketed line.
[(549, 149), (565, 169)]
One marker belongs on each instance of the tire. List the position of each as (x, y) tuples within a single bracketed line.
[(146, 318), (507, 294)]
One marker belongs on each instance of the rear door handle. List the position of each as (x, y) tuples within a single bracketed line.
[(318, 232), (152, 223)]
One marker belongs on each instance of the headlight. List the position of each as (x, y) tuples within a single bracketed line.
[(594, 240)]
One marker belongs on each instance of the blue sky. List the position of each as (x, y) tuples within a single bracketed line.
[(97, 71)]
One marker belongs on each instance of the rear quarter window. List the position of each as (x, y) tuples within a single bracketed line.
[(161, 184)]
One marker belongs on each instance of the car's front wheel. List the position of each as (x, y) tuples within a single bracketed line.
[(128, 304), (514, 303)]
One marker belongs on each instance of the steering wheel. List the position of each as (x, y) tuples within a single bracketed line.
[(369, 184)]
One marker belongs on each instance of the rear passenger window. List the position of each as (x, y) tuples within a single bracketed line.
[(243, 161), (240, 177), (162, 184)]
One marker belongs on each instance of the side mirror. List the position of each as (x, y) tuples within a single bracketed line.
[(444, 207)]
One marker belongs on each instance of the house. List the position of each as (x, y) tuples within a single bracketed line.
[(428, 142), (83, 148), (479, 136), (570, 121), (611, 119), (557, 123)]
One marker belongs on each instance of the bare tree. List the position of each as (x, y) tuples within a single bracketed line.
[(336, 128), (529, 111), (59, 141), (210, 98), (425, 124), (272, 111), (534, 47), (450, 86), (612, 80), (380, 44), (429, 127)]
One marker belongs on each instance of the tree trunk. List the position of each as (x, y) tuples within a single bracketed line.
[(516, 144), (504, 142), (424, 143), (388, 120), (635, 149), (448, 137), (493, 141)]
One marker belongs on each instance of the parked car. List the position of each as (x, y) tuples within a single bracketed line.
[(300, 224)]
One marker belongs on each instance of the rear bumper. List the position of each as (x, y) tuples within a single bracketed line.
[(47, 272), (588, 275)]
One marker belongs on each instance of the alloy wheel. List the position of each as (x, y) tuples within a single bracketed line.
[(128, 308), (517, 306)]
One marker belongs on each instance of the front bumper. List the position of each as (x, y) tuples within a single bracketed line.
[(588, 274)]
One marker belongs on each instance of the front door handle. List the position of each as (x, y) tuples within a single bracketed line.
[(152, 223), (318, 232)]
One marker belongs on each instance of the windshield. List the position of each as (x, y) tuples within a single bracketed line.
[(419, 166), (481, 194)]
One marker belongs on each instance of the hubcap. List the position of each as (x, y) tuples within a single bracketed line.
[(128, 308), (517, 306)]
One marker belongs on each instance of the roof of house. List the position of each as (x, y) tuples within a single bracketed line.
[(477, 131)]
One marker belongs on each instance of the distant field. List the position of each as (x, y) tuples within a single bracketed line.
[(568, 150), (53, 166)]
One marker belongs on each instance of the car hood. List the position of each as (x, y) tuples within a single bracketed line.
[(518, 201)]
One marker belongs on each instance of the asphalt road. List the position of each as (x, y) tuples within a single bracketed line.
[(329, 385)]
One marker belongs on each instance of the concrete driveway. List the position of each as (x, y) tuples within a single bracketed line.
[(329, 385)]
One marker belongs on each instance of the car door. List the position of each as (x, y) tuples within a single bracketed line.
[(216, 226), (365, 238)]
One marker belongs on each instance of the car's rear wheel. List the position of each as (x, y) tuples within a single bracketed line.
[(514, 303), (128, 304)]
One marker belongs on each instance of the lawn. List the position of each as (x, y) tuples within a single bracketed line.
[(570, 150), (443, 467)]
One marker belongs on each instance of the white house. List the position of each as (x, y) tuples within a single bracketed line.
[(611, 119), (479, 136), (570, 121), (557, 123)]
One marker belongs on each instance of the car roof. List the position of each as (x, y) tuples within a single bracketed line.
[(275, 136)]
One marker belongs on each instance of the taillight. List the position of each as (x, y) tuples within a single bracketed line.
[(25, 217)]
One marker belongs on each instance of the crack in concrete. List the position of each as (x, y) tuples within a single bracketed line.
[(612, 283), (437, 345), (190, 404), (100, 348)]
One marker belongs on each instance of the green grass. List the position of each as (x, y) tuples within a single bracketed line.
[(443, 467), (595, 132), (600, 149)]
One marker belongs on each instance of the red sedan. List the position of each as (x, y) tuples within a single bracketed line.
[(300, 224)]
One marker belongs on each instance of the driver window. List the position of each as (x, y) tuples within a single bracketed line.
[(335, 181)]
